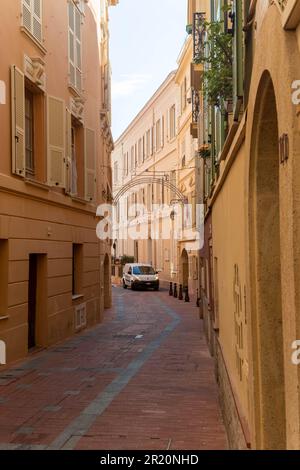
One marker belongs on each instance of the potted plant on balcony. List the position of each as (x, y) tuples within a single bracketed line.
[(204, 151), (218, 65)]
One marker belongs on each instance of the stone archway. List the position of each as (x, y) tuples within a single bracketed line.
[(184, 263), (107, 282), (265, 272)]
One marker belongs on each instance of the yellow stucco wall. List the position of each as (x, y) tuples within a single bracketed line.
[(228, 222)]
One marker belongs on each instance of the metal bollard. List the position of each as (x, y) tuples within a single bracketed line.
[(180, 297), (187, 298), (198, 299), (171, 289), (175, 291)]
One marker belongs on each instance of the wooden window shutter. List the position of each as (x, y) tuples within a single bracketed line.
[(26, 14), (37, 19), (78, 49), (68, 152), (56, 142), (72, 67), (18, 121), (90, 164), (32, 17)]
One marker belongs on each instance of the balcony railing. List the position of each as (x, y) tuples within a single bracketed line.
[(198, 36), (290, 10), (195, 113), (196, 105)]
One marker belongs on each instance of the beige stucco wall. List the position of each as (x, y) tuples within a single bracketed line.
[(41, 219), (233, 212), (228, 228)]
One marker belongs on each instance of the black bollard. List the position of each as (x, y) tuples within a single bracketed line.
[(187, 298), (175, 291), (180, 297), (198, 299), (171, 289)]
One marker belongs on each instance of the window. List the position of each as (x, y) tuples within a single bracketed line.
[(140, 151), (78, 176), (183, 95), (158, 135), (88, 165), (32, 17), (143, 158), (183, 157), (172, 122), (148, 144), (77, 269), (74, 162), (29, 134), (77, 158), (125, 165), (28, 128), (75, 60), (116, 170), (132, 158), (152, 140)]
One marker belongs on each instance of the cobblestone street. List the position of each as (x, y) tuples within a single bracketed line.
[(143, 379)]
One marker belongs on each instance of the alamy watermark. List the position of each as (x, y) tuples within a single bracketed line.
[(296, 92), (2, 92), (2, 353), (296, 353), (180, 222)]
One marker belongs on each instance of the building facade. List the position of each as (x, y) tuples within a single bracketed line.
[(249, 279), (144, 164), (54, 170), (155, 164)]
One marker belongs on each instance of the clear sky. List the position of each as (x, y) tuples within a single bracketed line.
[(146, 39)]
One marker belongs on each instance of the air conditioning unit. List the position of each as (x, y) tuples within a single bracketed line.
[(80, 317)]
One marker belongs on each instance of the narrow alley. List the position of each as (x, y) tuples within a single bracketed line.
[(143, 379)]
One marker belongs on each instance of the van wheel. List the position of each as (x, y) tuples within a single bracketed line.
[(124, 285)]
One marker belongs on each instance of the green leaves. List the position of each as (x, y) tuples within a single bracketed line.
[(217, 59)]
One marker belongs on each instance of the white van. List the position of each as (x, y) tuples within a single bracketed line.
[(140, 275)]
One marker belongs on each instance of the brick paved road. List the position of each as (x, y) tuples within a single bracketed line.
[(141, 380)]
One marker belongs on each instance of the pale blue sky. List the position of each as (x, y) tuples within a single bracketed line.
[(146, 39)]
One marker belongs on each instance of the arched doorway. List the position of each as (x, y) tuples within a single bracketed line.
[(184, 268), (107, 282), (265, 271)]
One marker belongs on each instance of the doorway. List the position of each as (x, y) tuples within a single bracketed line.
[(37, 301), (185, 268)]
